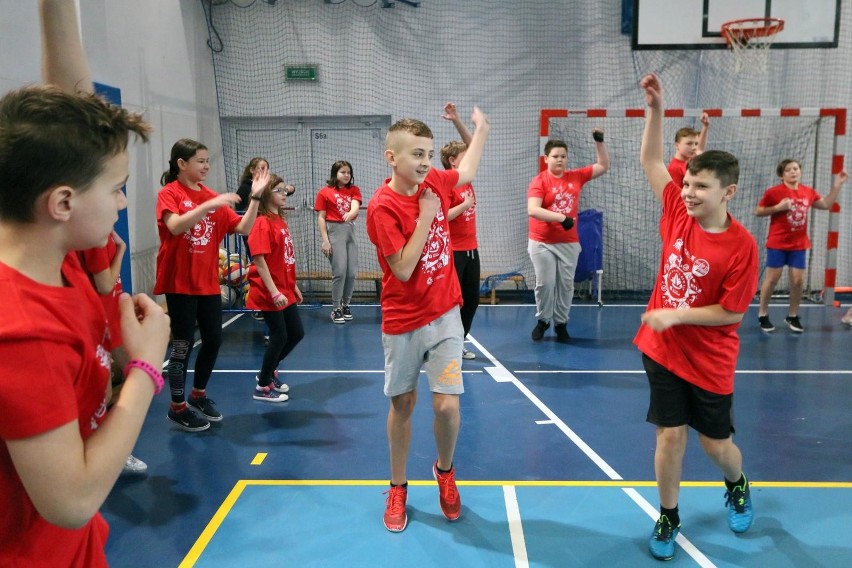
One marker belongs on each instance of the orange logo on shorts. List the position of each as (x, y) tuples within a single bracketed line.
[(451, 375)]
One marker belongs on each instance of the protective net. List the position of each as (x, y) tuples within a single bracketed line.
[(631, 213), (375, 65)]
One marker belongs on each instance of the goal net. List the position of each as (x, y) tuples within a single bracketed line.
[(760, 138)]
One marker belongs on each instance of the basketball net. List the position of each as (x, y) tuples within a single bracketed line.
[(749, 40)]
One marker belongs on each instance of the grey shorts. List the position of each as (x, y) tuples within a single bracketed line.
[(436, 347)]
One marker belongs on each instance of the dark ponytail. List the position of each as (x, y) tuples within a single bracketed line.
[(183, 149)]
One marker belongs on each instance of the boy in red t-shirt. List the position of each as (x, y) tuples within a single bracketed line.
[(688, 337), (407, 222), (462, 219), (63, 164), (688, 144), (788, 242)]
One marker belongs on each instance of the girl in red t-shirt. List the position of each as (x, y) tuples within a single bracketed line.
[(192, 220), (337, 207), (788, 242), (272, 287)]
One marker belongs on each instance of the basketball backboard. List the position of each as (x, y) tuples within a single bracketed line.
[(696, 24)]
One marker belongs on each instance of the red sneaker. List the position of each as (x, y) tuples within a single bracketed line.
[(396, 518), (447, 492)]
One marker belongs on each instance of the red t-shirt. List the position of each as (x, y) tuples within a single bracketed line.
[(270, 237), (698, 269), (189, 263), (677, 169), (433, 288), (463, 227), (97, 260), (559, 194), (55, 336), (788, 230), (336, 201)]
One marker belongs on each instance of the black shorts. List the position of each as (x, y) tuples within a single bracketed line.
[(676, 402)]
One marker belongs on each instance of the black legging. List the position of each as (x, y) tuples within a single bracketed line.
[(184, 311), (285, 332), (467, 270)]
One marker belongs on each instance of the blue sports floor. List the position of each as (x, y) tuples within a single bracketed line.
[(554, 460)]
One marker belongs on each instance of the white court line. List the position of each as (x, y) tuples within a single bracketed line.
[(502, 374), (197, 343), (635, 372), (325, 371), (516, 529)]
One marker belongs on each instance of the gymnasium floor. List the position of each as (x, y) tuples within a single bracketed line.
[(554, 459)]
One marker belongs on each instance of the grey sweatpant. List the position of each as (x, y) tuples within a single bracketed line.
[(554, 266), (344, 261)]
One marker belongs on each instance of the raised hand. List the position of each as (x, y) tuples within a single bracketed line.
[(653, 90), (450, 112)]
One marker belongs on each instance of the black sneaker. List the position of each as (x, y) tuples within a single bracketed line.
[(337, 316), (188, 420), (539, 329), (347, 313), (206, 407), (765, 325), (794, 324), (561, 330)]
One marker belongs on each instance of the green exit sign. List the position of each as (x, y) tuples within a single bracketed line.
[(301, 72)]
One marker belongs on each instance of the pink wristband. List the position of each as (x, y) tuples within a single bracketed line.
[(278, 295), (155, 375)]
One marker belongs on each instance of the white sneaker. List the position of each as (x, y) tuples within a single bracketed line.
[(847, 319), (134, 465), (468, 354)]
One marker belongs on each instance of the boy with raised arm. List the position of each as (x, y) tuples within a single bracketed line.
[(63, 163), (421, 326), (688, 337)]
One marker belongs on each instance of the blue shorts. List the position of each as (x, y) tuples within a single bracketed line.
[(793, 258)]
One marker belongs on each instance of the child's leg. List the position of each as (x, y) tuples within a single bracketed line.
[(351, 264), (469, 280), (446, 427), (725, 454), (277, 340), (544, 264), (797, 285), (567, 255), (336, 236), (209, 315), (668, 463), (294, 331), (182, 309), (399, 434)]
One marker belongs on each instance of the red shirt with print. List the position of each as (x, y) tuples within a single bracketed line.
[(58, 334), (189, 263), (559, 194), (270, 237), (463, 227), (433, 288), (788, 230), (698, 269), (677, 169), (336, 201), (97, 260)]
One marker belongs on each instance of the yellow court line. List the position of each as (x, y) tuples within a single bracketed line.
[(258, 459), (195, 552)]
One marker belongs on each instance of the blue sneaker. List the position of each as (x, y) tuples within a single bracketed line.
[(662, 542), (269, 394), (279, 386), (206, 407), (740, 511)]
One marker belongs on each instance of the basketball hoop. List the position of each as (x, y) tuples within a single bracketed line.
[(749, 40)]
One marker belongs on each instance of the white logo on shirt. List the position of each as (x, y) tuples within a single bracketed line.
[(436, 253), (343, 202), (797, 215), (289, 250), (679, 286), (563, 201)]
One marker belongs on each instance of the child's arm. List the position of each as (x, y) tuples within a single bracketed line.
[(830, 199), (278, 298), (105, 279), (403, 262), (702, 136), (651, 150), (352, 214), (713, 315), (323, 229), (257, 184), (88, 469), (179, 224), (470, 163), (602, 165), (63, 60), (766, 210), (466, 204), (451, 113)]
